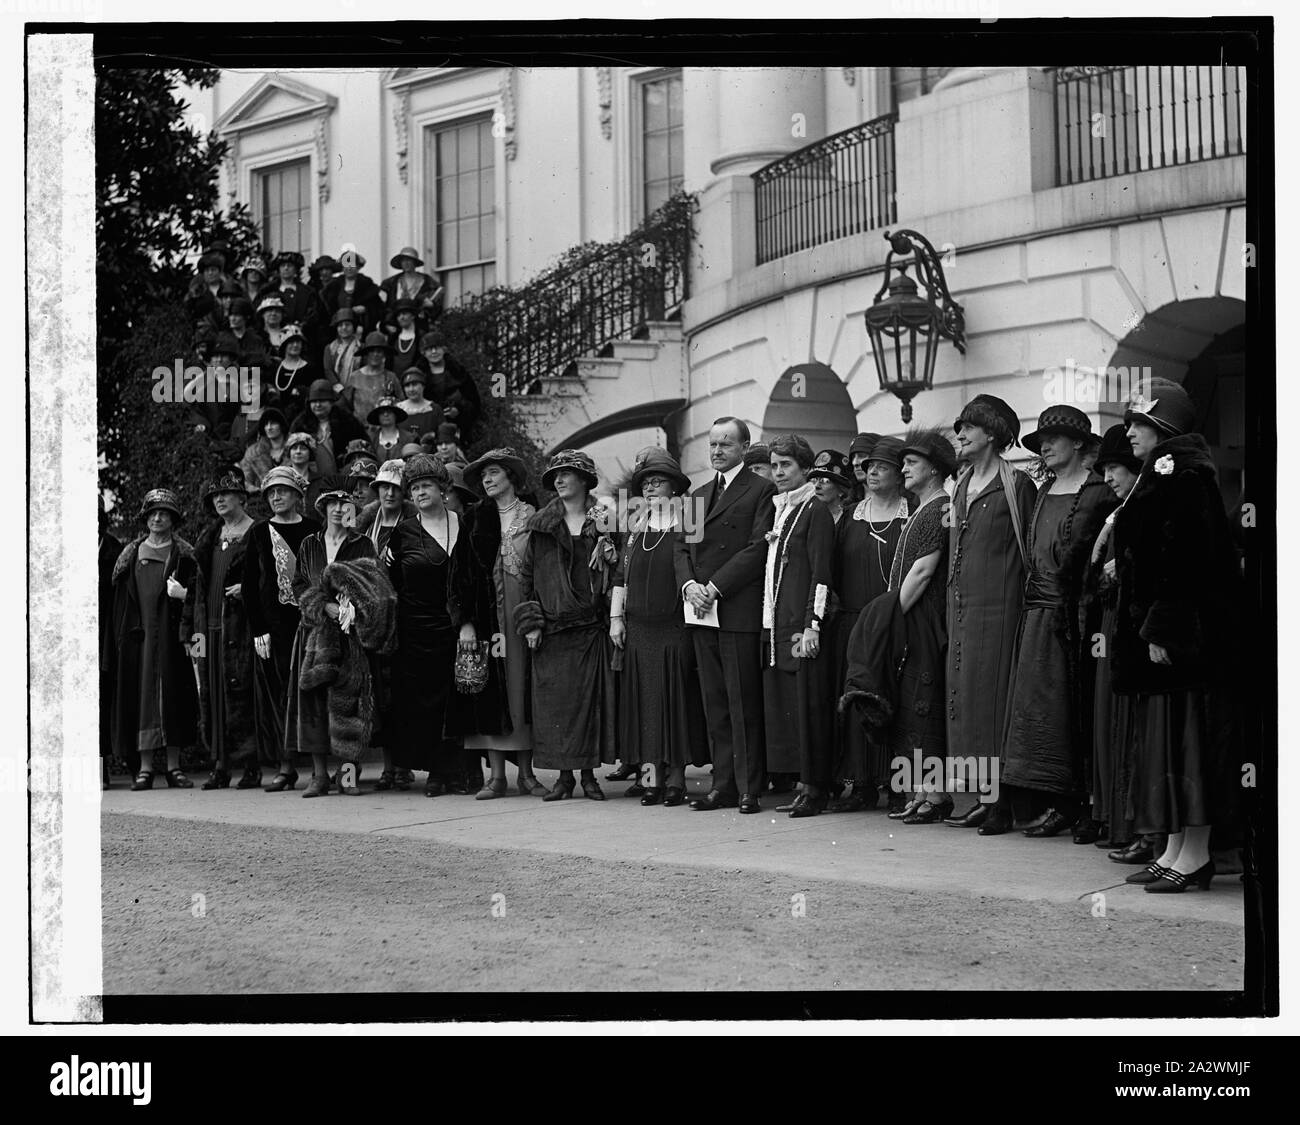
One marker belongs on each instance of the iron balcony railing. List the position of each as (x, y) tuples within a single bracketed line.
[(1111, 120), (837, 187)]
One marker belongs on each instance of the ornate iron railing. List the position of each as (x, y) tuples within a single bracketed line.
[(1111, 120), (595, 295), (839, 186)]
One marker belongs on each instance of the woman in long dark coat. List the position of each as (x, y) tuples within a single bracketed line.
[(798, 688), (433, 569), (270, 566), (864, 553), (109, 549), (1048, 737), (215, 608), (155, 704), (661, 714), (991, 509), (565, 574), (1113, 721), (1175, 648)]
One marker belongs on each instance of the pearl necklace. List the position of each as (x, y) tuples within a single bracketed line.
[(404, 350)]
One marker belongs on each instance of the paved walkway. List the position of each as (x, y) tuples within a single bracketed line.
[(866, 849)]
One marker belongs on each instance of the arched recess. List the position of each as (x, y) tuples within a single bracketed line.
[(1202, 345), (811, 400)]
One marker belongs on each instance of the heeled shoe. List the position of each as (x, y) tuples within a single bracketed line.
[(1141, 850), (929, 813), (591, 789), (862, 798), (282, 781), (403, 779), (562, 791), (906, 810), (674, 795), (143, 780), (997, 823), (973, 818), (250, 779), (1149, 874), (434, 786), (652, 796), (176, 779), (1055, 823), (623, 772), (220, 779), (530, 787), (1173, 882), (809, 806), (386, 781), (495, 787), (1088, 831), (636, 789), (318, 786)]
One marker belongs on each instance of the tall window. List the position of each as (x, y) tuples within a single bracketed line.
[(284, 206), (661, 140), (910, 82), (461, 212)]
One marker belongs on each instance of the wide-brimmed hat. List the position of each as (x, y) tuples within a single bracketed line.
[(1116, 450), (163, 498), (230, 481), (224, 344), (300, 438), (864, 444), (322, 390), (333, 487), (291, 332), (1060, 419), (888, 450), (343, 314), (934, 447), (405, 252), (832, 465), (363, 468), (271, 300), (358, 447), (392, 472), (572, 459), (376, 340), (284, 475), (423, 467), (659, 461), (405, 304), (1165, 406), (324, 262), (504, 456), (241, 306), (993, 415), (456, 474), (758, 454), (272, 414), (386, 404), (291, 257)]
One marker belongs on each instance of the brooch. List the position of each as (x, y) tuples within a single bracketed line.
[(1165, 465)]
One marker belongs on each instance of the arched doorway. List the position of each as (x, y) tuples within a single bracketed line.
[(1202, 345), (811, 400)]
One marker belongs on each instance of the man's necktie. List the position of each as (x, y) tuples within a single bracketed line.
[(719, 487)]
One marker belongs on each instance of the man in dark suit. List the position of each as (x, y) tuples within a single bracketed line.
[(725, 567)]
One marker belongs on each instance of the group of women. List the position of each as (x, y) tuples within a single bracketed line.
[(937, 630)]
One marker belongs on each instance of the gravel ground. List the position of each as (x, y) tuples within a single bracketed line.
[(295, 911)]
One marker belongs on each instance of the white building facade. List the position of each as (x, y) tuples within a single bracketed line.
[(1087, 219)]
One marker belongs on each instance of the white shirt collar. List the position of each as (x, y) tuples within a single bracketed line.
[(731, 474)]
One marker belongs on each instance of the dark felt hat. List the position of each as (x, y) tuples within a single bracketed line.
[(212, 259), (272, 414), (333, 487), (358, 447), (291, 257), (421, 466), (343, 314), (230, 289), (863, 443), (231, 481), (757, 454), (1060, 419), (405, 304), (322, 390), (934, 447), (406, 252), (1166, 407), (574, 460), (1116, 450), (448, 431), (831, 464), (992, 415), (889, 450), (324, 262), (504, 456), (456, 475), (241, 306), (386, 404), (224, 344), (377, 340), (163, 498), (660, 462)]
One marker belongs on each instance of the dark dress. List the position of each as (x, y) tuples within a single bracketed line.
[(1048, 740), (436, 594), (798, 692), (986, 585), (920, 724), (155, 703), (306, 722), (574, 707), (270, 565), (661, 713), (109, 550), (864, 553)]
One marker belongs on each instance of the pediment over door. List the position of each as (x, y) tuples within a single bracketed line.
[(277, 100)]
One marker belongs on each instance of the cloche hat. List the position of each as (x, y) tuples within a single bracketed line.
[(575, 460), (659, 461), (163, 498), (1060, 419), (1167, 408), (832, 465), (504, 456)]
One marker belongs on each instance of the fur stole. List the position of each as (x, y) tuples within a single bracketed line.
[(127, 558)]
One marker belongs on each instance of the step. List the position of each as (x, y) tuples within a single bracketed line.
[(643, 350), (664, 329)]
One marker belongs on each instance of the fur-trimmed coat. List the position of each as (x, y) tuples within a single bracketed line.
[(122, 655), (551, 602), (1177, 572), (236, 646)]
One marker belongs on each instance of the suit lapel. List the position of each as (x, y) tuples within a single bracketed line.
[(734, 490)]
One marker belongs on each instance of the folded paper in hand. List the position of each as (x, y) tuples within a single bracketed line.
[(692, 618)]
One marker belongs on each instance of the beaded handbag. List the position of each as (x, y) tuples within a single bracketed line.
[(471, 668)]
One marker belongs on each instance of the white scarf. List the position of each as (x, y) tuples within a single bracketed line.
[(787, 504)]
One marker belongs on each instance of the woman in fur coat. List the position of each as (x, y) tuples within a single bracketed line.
[(146, 656), (565, 575), (214, 607), (1175, 640)]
